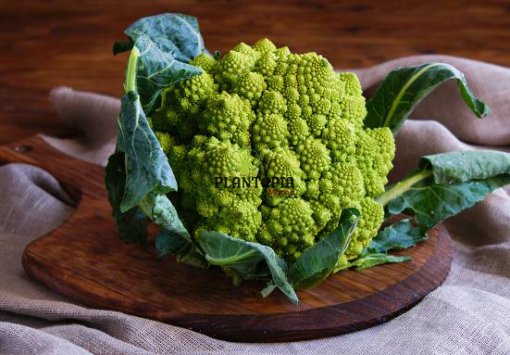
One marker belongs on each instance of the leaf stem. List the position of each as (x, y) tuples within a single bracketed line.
[(130, 84), (403, 186)]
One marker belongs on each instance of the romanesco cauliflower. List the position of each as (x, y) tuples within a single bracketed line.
[(254, 118)]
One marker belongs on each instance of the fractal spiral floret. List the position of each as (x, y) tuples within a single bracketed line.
[(283, 115)]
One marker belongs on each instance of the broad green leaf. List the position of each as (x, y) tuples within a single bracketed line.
[(157, 70), (404, 88), (146, 166), (447, 184), (397, 236), (432, 203), (132, 224), (249, 259), (166, 43), (317, 263), (184, 251), (455, 167), (161, 211), (174, 34), (168, 243), (140, 175), (368, 259)]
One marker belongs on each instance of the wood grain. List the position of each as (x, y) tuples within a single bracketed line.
[(45, 44), (85, 260)]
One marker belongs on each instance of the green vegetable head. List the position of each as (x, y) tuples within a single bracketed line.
[(269, 146)]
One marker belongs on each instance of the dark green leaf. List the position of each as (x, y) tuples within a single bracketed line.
[(246, 258), (455, 167), (175, 34), (397, 236), (159, 208), (167, 242), (432, 203), (147, 168), (161, 211), (184, 251), (157, 70), (317, 263), (447, 184), (400, 235), (132, 224), (404, 88), (368, 259), (147, 175), (165, 43)]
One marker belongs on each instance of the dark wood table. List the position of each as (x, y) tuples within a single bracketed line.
[(44, 44)]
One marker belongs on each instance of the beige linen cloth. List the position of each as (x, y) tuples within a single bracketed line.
[(468, 314)]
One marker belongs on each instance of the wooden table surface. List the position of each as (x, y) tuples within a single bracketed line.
[(44, 44)]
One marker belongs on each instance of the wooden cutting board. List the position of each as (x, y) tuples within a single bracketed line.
[(85, 260)]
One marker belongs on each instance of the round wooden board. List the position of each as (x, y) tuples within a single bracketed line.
[(85, 260)]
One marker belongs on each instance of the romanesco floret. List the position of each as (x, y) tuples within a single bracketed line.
[(258, 116), (228, 118), (205, 62)]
